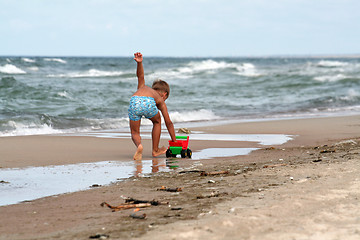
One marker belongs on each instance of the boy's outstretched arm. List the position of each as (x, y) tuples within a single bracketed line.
[(168, 122), (139, 70)]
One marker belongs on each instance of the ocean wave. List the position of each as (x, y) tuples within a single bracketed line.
[(351, 95), (55, 60), (191, 116), (206, 66), (331, 78), (13, 128), (331, 64), (65, 94), (34, 69), (89, 73), (28, 60), (45, 127), (211, 65), (247, 70), (11, 69)]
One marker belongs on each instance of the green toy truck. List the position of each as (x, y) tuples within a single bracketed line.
[(179, 147)]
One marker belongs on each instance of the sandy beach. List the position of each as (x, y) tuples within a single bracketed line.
[(306, 188)]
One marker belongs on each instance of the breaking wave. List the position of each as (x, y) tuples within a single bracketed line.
[(331, 64), (59, 60), (89, 73), (11, 69), (207, 67)]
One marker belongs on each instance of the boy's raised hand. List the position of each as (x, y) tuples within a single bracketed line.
[(138, 57)]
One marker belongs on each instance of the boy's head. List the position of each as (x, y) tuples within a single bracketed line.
[(162, 87)]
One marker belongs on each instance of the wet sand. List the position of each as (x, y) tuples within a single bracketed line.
[(307, 188)]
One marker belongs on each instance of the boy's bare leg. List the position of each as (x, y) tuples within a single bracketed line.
[(156, 132), (135, 136)]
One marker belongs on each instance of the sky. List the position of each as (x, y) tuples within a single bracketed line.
[(179, 28)]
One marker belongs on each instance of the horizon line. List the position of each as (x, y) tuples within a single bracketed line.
[(355, 55)]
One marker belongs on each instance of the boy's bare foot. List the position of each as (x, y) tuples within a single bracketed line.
[(138, 153), (160, 151)]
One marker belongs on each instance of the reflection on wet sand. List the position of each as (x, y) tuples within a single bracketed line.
[(158, 165)]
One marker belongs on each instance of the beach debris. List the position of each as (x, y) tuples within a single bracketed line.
[(274, 165), (95, 185), (138, 216), (176, 208), (130, 200), (133, 203), (99, 236), (4, 182), (166, 189), (317, 160), (328, 151), (213, 173), (191, 171), (213, 194), (125, 206), (211, 181), (184, 130), (270, 148)]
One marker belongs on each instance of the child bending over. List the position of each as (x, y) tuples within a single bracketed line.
[(147, 102)]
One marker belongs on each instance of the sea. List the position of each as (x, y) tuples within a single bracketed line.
[(51, 95)]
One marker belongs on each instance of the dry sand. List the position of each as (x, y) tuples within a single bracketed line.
[(307, 188)]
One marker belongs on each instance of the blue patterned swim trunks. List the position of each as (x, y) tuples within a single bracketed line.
[(142, 106)]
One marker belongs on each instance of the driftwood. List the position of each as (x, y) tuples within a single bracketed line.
[(213, 194), (191, 171), (163, 188), (125, 206), (275, 165), (214, 173), (133, 203), (137, 201)]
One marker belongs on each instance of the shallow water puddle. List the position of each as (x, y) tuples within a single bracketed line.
[(25, 184), (263, 139), (208, 153), (21, 184)]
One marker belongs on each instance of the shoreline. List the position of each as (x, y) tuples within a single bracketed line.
[(44, 150), (79, 215)]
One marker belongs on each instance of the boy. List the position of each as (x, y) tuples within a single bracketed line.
[(147, 102)]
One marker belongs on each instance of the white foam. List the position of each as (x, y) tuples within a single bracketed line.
[(64, 94), (35, 69), (326, 63), (189, 116), (209, 66), (331, 78), (28, 60), (20, 129), (11, 69), (55, 60), (247, 70), (89, 73)]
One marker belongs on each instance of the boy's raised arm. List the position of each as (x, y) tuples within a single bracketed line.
[(139, 70)]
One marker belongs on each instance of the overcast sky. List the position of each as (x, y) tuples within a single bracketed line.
[(179, 27)]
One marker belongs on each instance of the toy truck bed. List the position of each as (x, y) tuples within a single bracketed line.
[(179, 147)]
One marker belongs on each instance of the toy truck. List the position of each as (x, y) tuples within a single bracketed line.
[(179, 147)]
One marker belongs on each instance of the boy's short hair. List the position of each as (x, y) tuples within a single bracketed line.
[(161, 85)]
